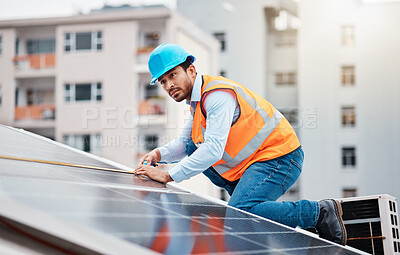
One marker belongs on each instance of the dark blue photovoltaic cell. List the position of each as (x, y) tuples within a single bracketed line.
[(147, 213)]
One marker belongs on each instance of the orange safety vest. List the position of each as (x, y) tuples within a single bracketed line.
[(260, 133)]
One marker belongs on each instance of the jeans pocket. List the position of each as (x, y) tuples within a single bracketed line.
[(296, 164), (292, 175)]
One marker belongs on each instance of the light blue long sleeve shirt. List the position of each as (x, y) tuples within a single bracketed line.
[(222, 109)]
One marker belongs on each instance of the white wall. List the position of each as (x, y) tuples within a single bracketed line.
[(7, 81)]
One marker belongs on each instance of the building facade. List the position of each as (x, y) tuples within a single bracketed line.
[(349, 74), (83, 80)]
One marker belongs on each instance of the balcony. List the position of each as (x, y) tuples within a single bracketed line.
[(142, 57), (152, 107), (35, 116), (152, 112), (35, 65)]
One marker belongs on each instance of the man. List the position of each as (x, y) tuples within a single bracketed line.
[(240, 142)]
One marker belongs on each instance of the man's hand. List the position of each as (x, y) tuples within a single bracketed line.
[(153, 173), (151, 157)]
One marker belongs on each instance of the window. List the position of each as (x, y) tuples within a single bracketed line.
[(348, 116), (85, 142), (17, 46), (290, 115), (83, 41), (348, 156), (83, 92), (285, 78), (348, 35), (220, 36), (150, 142), (1, 45), (150, 91), (348, 75), (16, 96), (152, 39), (349, 192), (40, 46)]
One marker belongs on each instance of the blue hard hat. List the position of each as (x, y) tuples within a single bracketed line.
[(165, 57)]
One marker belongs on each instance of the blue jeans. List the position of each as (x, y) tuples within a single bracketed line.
[(262, 184)]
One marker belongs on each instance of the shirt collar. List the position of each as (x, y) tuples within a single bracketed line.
[(196, 91)]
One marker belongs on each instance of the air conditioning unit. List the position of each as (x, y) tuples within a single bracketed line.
[(372, 223)]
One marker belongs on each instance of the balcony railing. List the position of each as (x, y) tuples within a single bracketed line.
[(35, 61), (35, 112), (152, 107)]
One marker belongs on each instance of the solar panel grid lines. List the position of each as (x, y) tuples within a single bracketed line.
[(153, 203), (146, 214), (219, 230), (248, 240)]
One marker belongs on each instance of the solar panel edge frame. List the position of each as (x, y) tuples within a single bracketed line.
[(95, 241)]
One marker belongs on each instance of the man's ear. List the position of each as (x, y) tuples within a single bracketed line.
[(191, 70)]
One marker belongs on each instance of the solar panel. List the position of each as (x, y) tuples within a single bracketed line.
[(122, 213)]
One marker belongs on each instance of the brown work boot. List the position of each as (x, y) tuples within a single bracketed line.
[(330, 224)]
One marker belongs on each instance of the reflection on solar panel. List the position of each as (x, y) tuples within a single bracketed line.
[(79, 210)]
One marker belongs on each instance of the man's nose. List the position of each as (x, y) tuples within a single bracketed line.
[(169, 85)]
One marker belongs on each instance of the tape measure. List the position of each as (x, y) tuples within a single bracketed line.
[(142, 177)]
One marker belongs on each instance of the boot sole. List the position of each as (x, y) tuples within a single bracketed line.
[(339, 214)]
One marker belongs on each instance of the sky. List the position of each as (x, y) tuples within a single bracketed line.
[(17, 9)]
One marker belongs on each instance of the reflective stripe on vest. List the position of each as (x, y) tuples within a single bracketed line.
[(270, 123)]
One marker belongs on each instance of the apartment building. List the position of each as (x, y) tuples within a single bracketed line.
[(258, 44), (83, 80), (328, 66), (349, 73)]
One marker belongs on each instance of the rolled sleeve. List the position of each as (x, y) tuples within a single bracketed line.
[(177, 173)]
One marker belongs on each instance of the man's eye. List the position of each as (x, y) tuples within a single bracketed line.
[(172, 74)]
